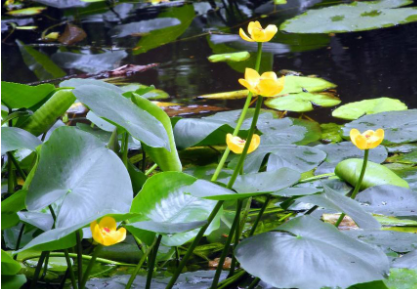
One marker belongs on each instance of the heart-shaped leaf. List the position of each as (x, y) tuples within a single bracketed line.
[(85, 178), (165, 228), (16, 95), (320, 246), (13, 138), (302, 102)]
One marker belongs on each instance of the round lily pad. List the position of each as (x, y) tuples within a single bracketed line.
[(302, 102)]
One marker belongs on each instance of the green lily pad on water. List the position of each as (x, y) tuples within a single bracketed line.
[(356, 109), (302, 102), (357, 16), (26, 11), (236, 57)]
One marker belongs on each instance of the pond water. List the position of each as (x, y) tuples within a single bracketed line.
[(364, 65)]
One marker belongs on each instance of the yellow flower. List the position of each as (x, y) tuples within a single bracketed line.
[(368, 140), (266, 84), (257, 33), (105, 232), (236, 144)]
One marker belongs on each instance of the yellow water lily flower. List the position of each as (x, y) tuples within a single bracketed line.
[(105, 232), (368, 140), (236, 144), (257, 33), (267, 84)]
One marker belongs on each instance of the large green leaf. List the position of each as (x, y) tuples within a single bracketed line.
[(164, 228), (332, 199), (311, 248), (43, 67), (113, 106), (84, 177), (166, 160), (356, 109), (399, 126), (185, 14), (389, 200), (402, 278), (357, 16), (375, 174), (302, 102), (166, 198), (8, 265), (408, 261), (14, 203), (13, 138), (16, 95), (300, 84), (13, 282), (143, 27)]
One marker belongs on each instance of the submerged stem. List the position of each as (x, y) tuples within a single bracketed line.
[(67, 258), (38, 270), (258, 218)]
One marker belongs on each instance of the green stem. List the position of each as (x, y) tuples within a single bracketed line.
[(113, 143), (79, 257), (125, 148), (237, 235), (254, 283), (358, 184), (19, 239), (317, 177), (67, 258), (232, 280), (45, 268), (151, 262), (38, 270), (215, 176), (90, 266), (84, 257), (151, 169), (10, 176), (19, 169), (258, 218), (141, 261), (227, 246), (177, 256)]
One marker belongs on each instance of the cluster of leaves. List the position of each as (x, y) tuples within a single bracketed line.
[(60, 179)]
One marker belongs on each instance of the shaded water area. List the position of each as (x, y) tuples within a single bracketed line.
[(364, 65)]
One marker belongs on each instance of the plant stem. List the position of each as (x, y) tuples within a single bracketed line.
[(151, 169), (317, 177), (67, 258), (45, 268), (84, 257), (226, 246), (151, 262), (19, 169), (19, 239), (38, 270), (232, 280), (358, 184), (113, 143), (125, 148), (90, 266), (258, 218), (141, 261), (216, 174), (10, 176), (79, 257), (254, 283), (237, 235), (177, 256)]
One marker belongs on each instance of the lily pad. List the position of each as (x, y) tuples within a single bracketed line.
[(389, 200), (14, 138), (143, 27), (165, 198), (375, 174), (402, 278), (315, 242), (356, 109), (386, 240), (399, 126), (165, 228), (77, 170), (302, 102), (300, 84), (357, 16), (26, 11), (408, 261), (235, 56)]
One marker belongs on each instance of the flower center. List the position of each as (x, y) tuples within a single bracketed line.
[(367, 136), (241, 141), (107, 230)]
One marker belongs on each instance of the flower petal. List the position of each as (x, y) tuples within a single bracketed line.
[(98, 235), (234, 143), (254, 25), (251, 75), (246, 84), (259, 35), (244, 36), (270, 32), (108, 222), (270, 87), (353, 135), (254, 144), (269, 75), (361, 142), (380, 133)]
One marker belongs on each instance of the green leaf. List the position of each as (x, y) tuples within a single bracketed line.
[(164, 228), (143, 27), (238, 94), (302, 102), (14, 138), (389, 200), (166, 160), (121, 111), (332, 199), (149, 92), (85, 177), (408, 261), (13, 282), (8, 265), (45, 116), (402, 279), (331, 132), (356, 109), (185, 14), (16, 95), (166, 198), (43, 67), (31, 11), (315, 243), (14, 203), (375, 174), (235, 56), (303, 84), (357, 16)]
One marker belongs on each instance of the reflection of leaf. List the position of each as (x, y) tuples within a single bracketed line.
[(144, 26), (156, 38), (302, 102), (357, 16), (39, 63), (90, 63), (356, 109)]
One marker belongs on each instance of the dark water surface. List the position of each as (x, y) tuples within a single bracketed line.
[(363, 64)]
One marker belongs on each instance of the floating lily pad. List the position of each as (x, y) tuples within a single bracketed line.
[(299, 84), (315, 242), (356, 109), (26, 11), (357, 16), (399, 126), (408, 261), (236, 57), (143, 27), (14, 138), (302, 102), (402, 278)]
